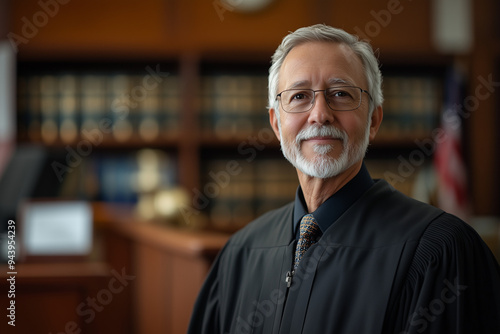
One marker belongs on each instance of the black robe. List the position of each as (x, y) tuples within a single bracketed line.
[(389, 264)]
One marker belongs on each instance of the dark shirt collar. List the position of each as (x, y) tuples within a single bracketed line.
[(335, 205)]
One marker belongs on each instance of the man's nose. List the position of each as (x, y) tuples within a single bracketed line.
[(320, 112)]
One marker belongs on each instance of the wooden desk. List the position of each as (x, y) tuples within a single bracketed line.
[(169, 266)]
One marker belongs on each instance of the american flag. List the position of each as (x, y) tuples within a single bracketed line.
[(449, 158)]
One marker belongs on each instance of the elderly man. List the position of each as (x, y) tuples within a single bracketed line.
[(350, 254)]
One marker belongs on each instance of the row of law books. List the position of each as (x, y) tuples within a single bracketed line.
[(234, 106), (58, 107), (251, 190), (412, 106)]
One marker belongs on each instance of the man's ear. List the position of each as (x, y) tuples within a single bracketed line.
[(273, 119), (376, 118)]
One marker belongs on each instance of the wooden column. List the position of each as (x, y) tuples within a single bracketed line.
[(484, 120)]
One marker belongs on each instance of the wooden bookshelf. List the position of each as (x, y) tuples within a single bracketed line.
[(220, 116)]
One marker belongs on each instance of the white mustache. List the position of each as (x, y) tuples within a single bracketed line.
[(323, 131)]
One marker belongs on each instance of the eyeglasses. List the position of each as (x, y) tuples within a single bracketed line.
[(341, 98)]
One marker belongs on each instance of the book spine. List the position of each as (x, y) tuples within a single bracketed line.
[(49, 92), (233, 106), (93, 95), (148, 115), (169, 115), (68, 104)]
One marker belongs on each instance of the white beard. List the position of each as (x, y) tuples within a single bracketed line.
[(323, 166)]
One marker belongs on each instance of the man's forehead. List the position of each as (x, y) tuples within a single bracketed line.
[(330, 82), (335, 48), (303, 57)]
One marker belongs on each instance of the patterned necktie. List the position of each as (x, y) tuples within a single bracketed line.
[(309, 231)]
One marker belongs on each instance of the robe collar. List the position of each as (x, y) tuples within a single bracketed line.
[(335, 205)]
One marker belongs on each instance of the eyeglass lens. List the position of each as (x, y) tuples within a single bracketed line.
[(338, 98)]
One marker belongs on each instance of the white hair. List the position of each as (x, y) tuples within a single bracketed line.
[(324, 33)]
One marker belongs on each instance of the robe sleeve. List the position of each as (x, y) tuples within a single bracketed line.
[(452, 285), (205, 316)]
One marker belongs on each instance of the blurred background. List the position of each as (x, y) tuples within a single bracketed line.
[(134, 140)]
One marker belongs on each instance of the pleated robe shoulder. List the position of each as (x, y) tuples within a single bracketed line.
[(389, 264)]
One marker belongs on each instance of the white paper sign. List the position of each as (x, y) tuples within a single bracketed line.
[(57, 228)]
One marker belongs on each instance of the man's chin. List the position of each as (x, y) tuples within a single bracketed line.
[(321, 166), (329, 156), (323, 149)]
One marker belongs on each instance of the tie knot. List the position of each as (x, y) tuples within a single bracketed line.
[(309, 226)]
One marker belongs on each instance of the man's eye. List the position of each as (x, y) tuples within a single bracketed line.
[(298, 96), (339, 93)]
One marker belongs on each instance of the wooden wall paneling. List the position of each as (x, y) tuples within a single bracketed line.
[(188, 275), (393, 26), (52, 297), (129, 29), (189, 162), (206, 29), (4, 18), (166, 289), (32, 301), (118, 253), (153, 290), (94, 29)]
